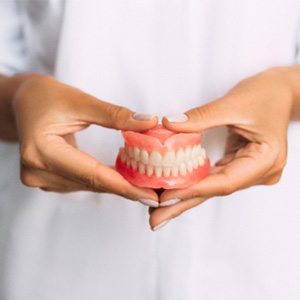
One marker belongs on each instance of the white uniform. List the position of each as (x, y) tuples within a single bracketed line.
[(157, 57)]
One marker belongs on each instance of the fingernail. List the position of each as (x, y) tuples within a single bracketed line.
[(142, 116), (149, 202), (180, 118), (170, 202), (162, 224)]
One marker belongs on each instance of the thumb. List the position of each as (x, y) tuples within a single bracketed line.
[(214, 114), (118, 117)]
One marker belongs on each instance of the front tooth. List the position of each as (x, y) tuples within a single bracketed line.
[(149, 170), (141, 168), (136, 153), (180, 156), (167, 171), (130, 152), (122, 154), (133, 164), (169, 159), (195, 163), (158, 171), (175, 171), (144, 156), (155, 158), (187, 153), (182, 169), (190, 166)]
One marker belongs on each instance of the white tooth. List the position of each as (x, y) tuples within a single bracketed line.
[(194, 151), (179, 156), (141, 168), (149, 170), (136, 153), (133, 164), (200, 160), (122, 154), (169, 159), (144, 156), (130, 152), (187, 153), (182, 169), (199, 149), (175, 171), (158, 171), (166, 171), (195, 163), (155, 158), (127, 161), (203, 153), (190, 166)]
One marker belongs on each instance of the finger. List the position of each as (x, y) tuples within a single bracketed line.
[(114, 116), (248, 168), (63, 159), (160, 216), (214, 114), (49, 182)]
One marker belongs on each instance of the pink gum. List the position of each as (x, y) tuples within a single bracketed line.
[(151, 143)]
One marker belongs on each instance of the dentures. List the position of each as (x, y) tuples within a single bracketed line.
[(160, 158)]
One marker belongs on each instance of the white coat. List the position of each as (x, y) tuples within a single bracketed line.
[(157, 57)]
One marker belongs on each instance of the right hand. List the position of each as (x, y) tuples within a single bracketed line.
[(48, 114)]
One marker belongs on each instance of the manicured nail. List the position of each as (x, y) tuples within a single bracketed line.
[(142, 117), (180, 118), (170, 202), (149, 202), (162, 224)]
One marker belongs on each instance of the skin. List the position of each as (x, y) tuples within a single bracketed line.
[(257, 112), (44, 115)]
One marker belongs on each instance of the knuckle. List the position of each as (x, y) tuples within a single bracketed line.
[(92, 181), (280, 164), (116, 114), (227, 189), (29, 156), (275, 179), (29, 179)]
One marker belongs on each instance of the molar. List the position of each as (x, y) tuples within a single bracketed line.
[(123, 154)]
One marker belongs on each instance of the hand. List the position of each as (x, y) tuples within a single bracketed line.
[(257, 113), (48, 114)]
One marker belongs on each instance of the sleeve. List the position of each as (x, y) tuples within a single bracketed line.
[(12, 45)]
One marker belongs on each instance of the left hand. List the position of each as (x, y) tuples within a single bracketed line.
[(257, 113)]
